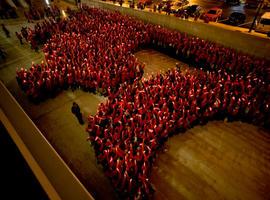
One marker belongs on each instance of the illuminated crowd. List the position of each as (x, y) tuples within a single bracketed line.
[(78, 54), (93, 50)]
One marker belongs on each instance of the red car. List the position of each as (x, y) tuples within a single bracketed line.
[(213, 14)]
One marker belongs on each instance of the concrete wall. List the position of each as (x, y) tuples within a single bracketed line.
[(64, 182), (11, 3), (39, 4), (71, 1), (23, 3), (226, 35)]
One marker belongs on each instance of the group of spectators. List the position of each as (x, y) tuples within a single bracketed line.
[(41, 32), (93, 50), (38, 14), (34, 14)]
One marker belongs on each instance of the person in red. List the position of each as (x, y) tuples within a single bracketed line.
[(119, 152)]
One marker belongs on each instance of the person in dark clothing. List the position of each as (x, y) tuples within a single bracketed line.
[(79, 5), (177, 67), (2, 54), (6, 30), (19, 36), (77, 112)]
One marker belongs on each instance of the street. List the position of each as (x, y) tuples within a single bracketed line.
[(227, 10)]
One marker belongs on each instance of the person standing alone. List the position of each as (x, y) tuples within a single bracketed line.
[(19, 36), (5, 30), (77, 112)]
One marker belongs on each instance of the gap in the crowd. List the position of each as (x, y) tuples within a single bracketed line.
[(158, 62)]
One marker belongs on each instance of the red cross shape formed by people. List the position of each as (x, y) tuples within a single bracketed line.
[(93, 50)]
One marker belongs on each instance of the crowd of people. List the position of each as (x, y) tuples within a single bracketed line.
[(40, 34), (34, 14), (89, 51), (133, 124), (93, 50), (207, 55), (38, 14)]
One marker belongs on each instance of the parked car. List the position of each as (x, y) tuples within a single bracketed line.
[(212, 14), (237, 18), (264, 24), (166, 5), (176, 6), (194, 10), (255, 4)]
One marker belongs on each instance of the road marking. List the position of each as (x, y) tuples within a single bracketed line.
[(223, 20), (245, 23)]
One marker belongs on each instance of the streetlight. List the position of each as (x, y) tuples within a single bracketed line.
[(47, 2), (256, 16)]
